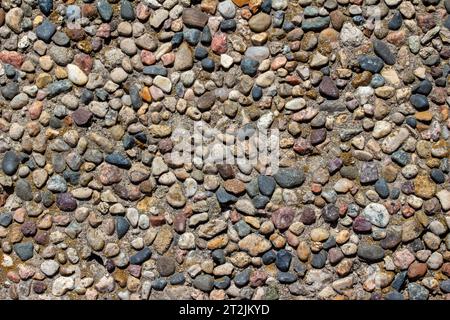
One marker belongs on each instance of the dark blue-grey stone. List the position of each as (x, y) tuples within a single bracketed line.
[(330, 213), (437, 175), (24, 250), (382, 188), (417, 292), (204, 282), (222, 283), (423, 87), (208, 65), (128, 142), (224, 197), (141, 137), (200, 53), (431, 2), (446, 23), (242, 228), (445, 286), (45, 30), (101, 94), (257, 93), (319, 259), (288, 26), (159, 284), (269, 257), (266, 185), (266, 6), (283, 260), (218, 256), (289, 177), (315, 24), (419, 101), (401, 157), (177, 39), (61, 39), (136, 100), (5, 219), (155, 71), (10, 90), (127, 10), (277, 19), (177, 278), (46, 6), (411, 121), (260, 201), (58, 87), (399, 280), (192, 36), (377, 81), (23, 190), (206, 36), (396, 21), (368, 172), (242, 278), (370, 253), (395, 193), (382, 50), (228, 25), (286, 277), (86, 96), (141, 256), (300, 268), (394, 295), (252, 188), (330, 243), (371, 63), (10, 163), (104, 10), (249, 66), (118, 160), (447, 5), (122, 226)]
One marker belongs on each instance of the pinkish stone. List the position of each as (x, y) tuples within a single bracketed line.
[(142, 11), (35, 110), (168, 59), (147, 57), (278, 62), (283, 217), (403, 258), (13, 58), (156, 93), (104, 31), (219, 43), (84, 62)]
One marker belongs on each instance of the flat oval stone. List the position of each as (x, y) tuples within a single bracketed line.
[(10, 163)]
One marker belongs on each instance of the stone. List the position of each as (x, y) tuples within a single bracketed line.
[(10, 163), (376, 214), (260, 22), (254, 244), (193, 17), (289, 177), (283, 218), (370, 253), (24, 250), (328, 89)]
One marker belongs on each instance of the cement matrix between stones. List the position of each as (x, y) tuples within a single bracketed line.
[(93, 206)]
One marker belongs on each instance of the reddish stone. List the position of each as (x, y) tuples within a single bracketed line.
[(417, 270), (396, 37), (258, 278), (308, 216), (41, 238), (446, 269), (283, 217), (13, 58), (302, 146), (425, 22), (35, 110), (28, 228), (88, 10), (142, 11), (438, 95), (179, 222), (234, 216), (292, 80), (219, 43), (361, 225), (109, 174), (316, 188), (157, 221), (81, 116), (84, 62), (134, 193), (75, 34), (135, 270), (147, 57)]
